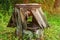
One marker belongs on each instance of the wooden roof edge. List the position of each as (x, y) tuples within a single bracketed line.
[(30, 5)]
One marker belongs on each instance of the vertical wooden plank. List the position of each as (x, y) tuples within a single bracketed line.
[(19, 24), (23, 17)]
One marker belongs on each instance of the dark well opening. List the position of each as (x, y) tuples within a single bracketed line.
[(32, 24)]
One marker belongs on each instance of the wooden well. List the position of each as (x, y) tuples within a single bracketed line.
[(23, 11)]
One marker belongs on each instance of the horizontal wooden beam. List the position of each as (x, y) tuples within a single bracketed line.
[(31, 5)]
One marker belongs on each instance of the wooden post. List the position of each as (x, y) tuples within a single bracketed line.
[(19, 24), (23, 18)]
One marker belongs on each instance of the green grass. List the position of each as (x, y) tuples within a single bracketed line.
[(53, 32), (6, 33)]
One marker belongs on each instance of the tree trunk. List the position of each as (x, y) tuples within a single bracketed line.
[(57, 4), (25, 1)]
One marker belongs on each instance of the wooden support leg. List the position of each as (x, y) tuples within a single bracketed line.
[(19, 25), (23, 18)]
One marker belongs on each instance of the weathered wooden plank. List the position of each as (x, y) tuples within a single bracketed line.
[(19, 24), (38, 17), (29, 6), (23, 18)]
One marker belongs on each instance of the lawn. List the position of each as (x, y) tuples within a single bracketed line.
[(53, 32)]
